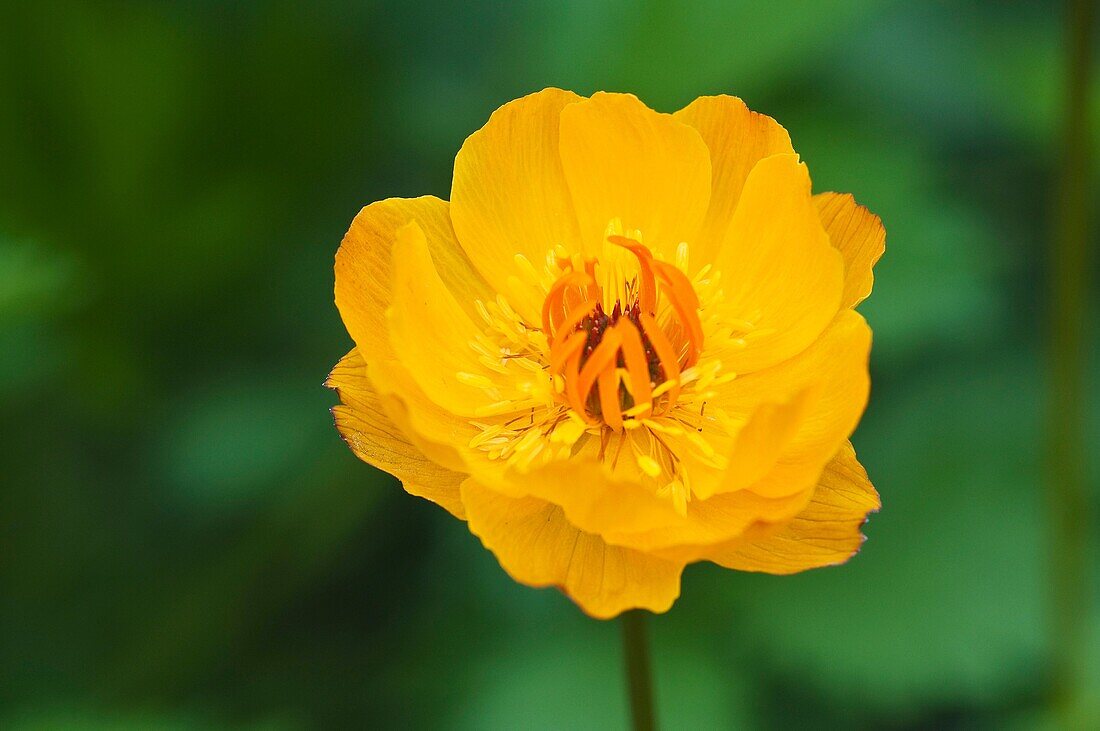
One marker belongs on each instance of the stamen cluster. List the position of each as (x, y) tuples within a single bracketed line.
[(627, 363)]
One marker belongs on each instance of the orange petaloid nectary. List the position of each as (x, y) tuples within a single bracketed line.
[(626, 344)]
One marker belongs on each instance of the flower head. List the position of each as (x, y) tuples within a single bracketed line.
[(626, 344)]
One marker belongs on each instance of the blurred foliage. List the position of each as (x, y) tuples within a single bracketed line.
[(187, 544)]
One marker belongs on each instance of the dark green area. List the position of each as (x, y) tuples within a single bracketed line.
[(186, 543)]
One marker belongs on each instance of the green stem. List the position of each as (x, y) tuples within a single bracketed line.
[(1069, 292), (639, 677)]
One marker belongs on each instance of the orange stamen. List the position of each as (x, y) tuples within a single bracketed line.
[(555, 298), (561, 351), (647, 287), (572, 377), (609, 398), (666, 354), (682, 297), (603, 358), (637, 367)]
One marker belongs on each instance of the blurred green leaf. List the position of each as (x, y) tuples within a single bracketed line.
[(35, 282), (668, 52), (229, 443)]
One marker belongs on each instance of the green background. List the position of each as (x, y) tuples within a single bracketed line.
[(185, 542)]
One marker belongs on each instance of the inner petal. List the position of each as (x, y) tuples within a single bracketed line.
[(622, 159), (508, 177)]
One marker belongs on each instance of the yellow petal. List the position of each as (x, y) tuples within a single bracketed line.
[(537, 546), (859, 236), (509, 194), (737, 139), (364, 290), (826, 533), (364, 267), (625, 162), (835, 368), (591, 498), (435, 431), (777, 266), (711, 522), (758, 445), (377, 440), (431, 334)]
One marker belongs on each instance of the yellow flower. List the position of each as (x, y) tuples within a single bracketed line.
[(626, 344)]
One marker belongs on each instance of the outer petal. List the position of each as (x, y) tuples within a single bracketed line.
[(777, 267), (590, 497), (364, 291), (859, 236), (711, 522), (375, 439), (826, 533), (835, 369), (509, 194), (364, 267), (537, 546), (624, 161), (431, 333), (737, 139), (434, 430), (759, 444)]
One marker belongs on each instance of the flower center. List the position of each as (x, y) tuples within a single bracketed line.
[(626, 363)]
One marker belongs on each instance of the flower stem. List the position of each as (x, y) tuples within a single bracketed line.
[(639, 677), (1069, 301)]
